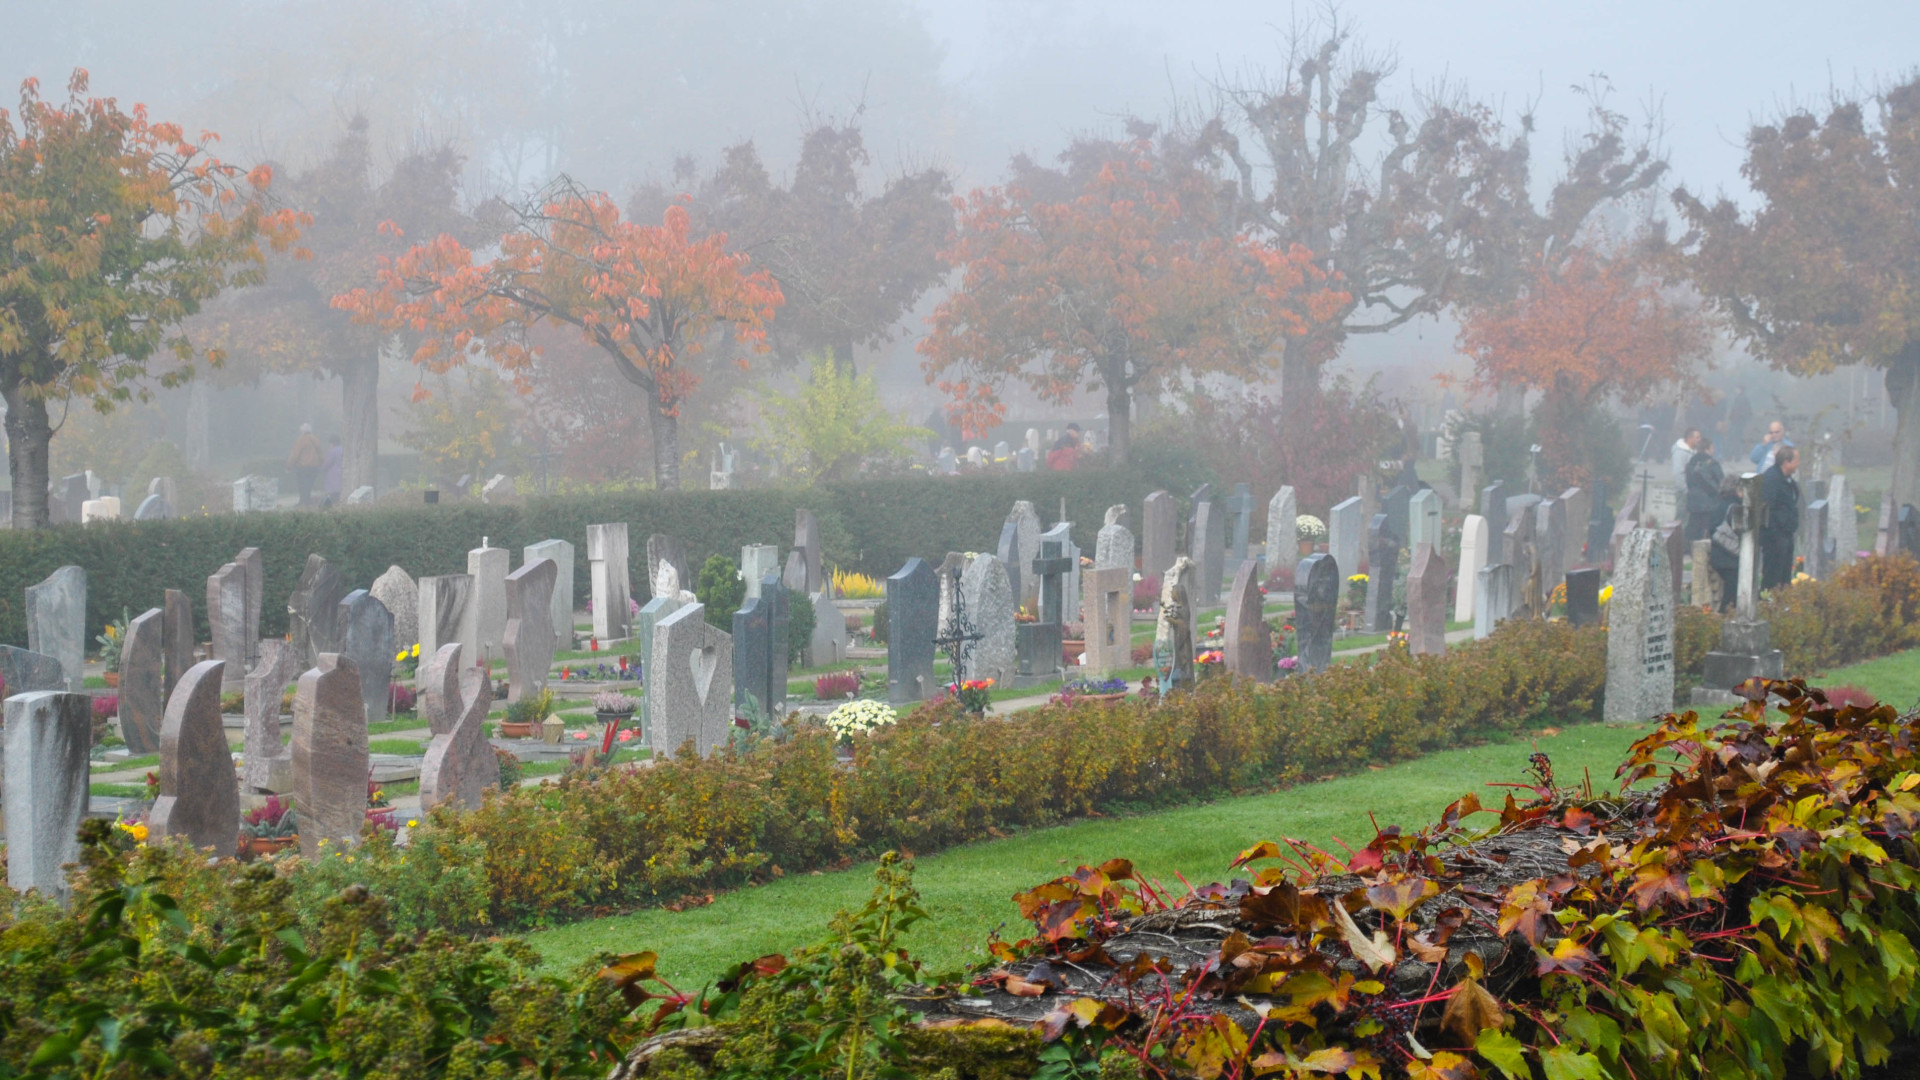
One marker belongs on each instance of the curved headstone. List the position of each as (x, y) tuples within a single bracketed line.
[(143, 690), (57, 621), (330, 765), (460, 764), (365, 627), (199, 795), (400, 595)]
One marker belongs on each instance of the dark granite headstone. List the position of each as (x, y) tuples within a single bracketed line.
[(313, 610), (366, 638), (530, 638), (913, 611), (176, 637), (1398, 507), (26, 671), (199, 793), (143, 685), (1239, 523), (1383, 568), (1316, 603), (1493, 507), (1583, 597), (1037, 644), (760, 650)]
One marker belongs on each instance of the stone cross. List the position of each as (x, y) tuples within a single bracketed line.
[(1583, 597), (913, 609), (313, 610), (1316, 605), (1492, 599), (690, 684), (45, 791), (199, 795), (176, 637), (1249, 644), (1239, 523), (806, 540), (1108, 603), (1062, 532), (988, 596), (1640, 632), (1383, 568), (227, 616), (1493, 507), (1346, 532), (1037, 643), (1427, 601), (366, 638), (1026, 591), (663, 549), (1283, 515), (446, 613), (529, 640), (330, 761), (400, 595), (756, 562), (143, 687), (561, 603), (265, 765), (1173, 633), (612, 589), (460, 765), (57, 621), (487, 565), (1159, 519), (1209, 553), (1473, 556), (1843, 525), (760, 650)]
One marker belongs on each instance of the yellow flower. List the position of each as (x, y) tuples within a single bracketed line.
[(416, 650), (400, 657), (1606, 594), (411, 822)]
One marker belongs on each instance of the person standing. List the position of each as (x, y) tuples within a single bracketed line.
[(1065, 453), (1681, 455), (1723, 554), (330, 469), (305, 462), (1763, 452), (1780, 495), (1704, 477)]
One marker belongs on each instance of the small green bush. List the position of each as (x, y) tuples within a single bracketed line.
[(721, 590), (801, 620)]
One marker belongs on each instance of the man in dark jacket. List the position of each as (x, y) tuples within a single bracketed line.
[(1704, 475), (1780, 495)]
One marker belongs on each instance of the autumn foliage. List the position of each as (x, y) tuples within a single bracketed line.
[(652, 298)]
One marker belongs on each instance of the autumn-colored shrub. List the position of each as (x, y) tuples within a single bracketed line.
[(835, 685), (1869, 608)]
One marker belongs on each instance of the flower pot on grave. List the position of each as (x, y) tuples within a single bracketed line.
[(1306, 548), (1106, 698), (1071, 650), (112, 678), (511, 730), (605, 718), (257, 846)]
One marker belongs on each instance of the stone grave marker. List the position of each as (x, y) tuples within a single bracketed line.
[(330, 762), (690, 684), (1627, 520), (265, 765), (1907, 528), (1367, 490), (400, 595), (1705, 591), (913, 610), (1037, 644), (1160, 520), (1173, 631), (366, 638), (806, 540), (1427, 601), (441, 702), (1239, 524), (756, 562), (1881, 543), (1008, 552), (1843, 524), (561, 603), (1249, 642), (612, 587), (143, 684), (1033, 441), (255, 565), (760, 651), (1473, 463), (1526, 566), (1025, 460), (665, 549), (460, 765), (1493, 507), (313, 611), (1108, 603), (27, 670), (74, 492), (1001, 451), (1473, 556), (1640, 632), (947, 578), (1114, 544), (1673, 537), (1317, 582), (976, 456), (529, 640), (1492, 599), (1550, 543), (1583, 596), (1813, 527), (104, 508), (1383, 568), (1283, 535), (500, 487), (176, 637), (828, 645), (947, 462), (988, 597), (487, 565), (199, 794), (152, 508), (1070, 584), (1579, 510), (1209, 553), (1423, 519), (1200, 496), (227, 616), (1398, 506), (57, 621), (44, 790), (1026, 591), (446, 612), (360, 496), (1345, 533)]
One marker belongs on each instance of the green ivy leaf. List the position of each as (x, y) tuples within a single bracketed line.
[(1505, 1052), (1566, 1063)]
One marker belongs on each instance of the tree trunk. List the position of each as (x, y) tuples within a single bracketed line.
[(1119, 422), (843, 356), (29, 440), (666, 449), (360, 419), (1903, 393), (1299, 380)]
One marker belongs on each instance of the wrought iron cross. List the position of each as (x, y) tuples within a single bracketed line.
[(959, 635)]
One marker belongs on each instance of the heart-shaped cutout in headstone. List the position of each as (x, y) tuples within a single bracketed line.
[(704, 660)]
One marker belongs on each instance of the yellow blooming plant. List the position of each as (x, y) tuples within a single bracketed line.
[(849, 585)]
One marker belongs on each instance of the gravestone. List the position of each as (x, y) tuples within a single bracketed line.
[(1367, 490), (1107, 601), (976, 456), (265, 765), (1423, 519), (1492, 599), (913, 608), (1599, 525), (1033, 441), (1383, 562), (1026, 590), (1001, 451), (1427, 601), (400, 595), (199, 794), (1249, 644), (57, 621), (806, 540), (446, 612), (760, 651), (561, 602), (366, 638), (690, 684), (1493, 507), (1200, 496), (143, 684), (1881, 544), (828, 645), (1398, 506), (152, 508), (176, 637), (1583, 597), (1579, 510), (460, 765), (644, 623), (662, 548), (947, 578), (487, 565), (1008, 552), (1173, 632), (360, 496), (1673, 538), (500, 487), (1813, 544), (1473, 556), (330, 765), (1317, 582), (313, 611), (1345, 534), (1640, 632), (1025, 460), (24, 670), (757, 561), (1037, 644), (1706, 581), (612, 588), (1473, 463), (441, 702), (1526, 567), (1114, 544), (1550, 544), (252, 494), (795, 575), (529, 640), (947, 462), (227, 617), (1239, 523), (1209, 553), (255, 565), (1843, 524), (44, 790), (1627, 520), (164, 487), (1159, 523), (74, 492), (988, 596), (1283, 536), (1062, 533), (104, 508), (1907, 529)]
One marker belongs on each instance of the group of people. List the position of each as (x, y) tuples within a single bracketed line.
[(309, 463), (1712, 501)]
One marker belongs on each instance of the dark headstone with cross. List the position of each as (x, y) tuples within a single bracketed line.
[(1037, 644)]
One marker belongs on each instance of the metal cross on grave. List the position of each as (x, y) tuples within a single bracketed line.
[(957, 637)]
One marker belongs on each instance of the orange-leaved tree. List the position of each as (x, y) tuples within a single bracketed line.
[(113, 229), (652, 298), (1585, 327), (1122, 272)]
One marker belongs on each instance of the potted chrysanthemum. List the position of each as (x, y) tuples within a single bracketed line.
[(862, 716)]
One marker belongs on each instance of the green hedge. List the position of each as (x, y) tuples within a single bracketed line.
[(871, 526)]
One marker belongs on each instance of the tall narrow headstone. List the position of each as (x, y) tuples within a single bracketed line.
[(1550, 542), (988, 597), (460, 765), (446, 613), (1813, 539), (1062, 534), (1173, 633), (366, 638), (760, 651), (1493, 507), (1160, 523), (1583, 596), (1317, 582), (57, 621), (1026, 589), (1283, 515), (255, 566), (1199, 497), (828, 645), (1383, 570), (487, 565), (45, 791), (330, 763), (1108, 602), (913, 608), (314, 608), (1473, 464), (1008, 552), (612, 589), (1249, 644), (1346, 535), (1239, 523), (756, 562), (176, 637), (400, 595), (690, 684), (1427, 601), (1640, 632), (266, 765), (1526, 567), (143, 687), (199, 794), (1579, 510), (529, 639), (1209, 553), (1473, 556), (1843, 523), (1398, 506), (806, 540), (561, 552), (1492, 599), (662, 548), (1705, 591), (1423, 519), (1673, 538), (227, 617)]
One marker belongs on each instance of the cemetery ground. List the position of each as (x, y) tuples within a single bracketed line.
[(967, 890)]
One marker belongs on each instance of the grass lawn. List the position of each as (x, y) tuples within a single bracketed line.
[(396, 746)]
